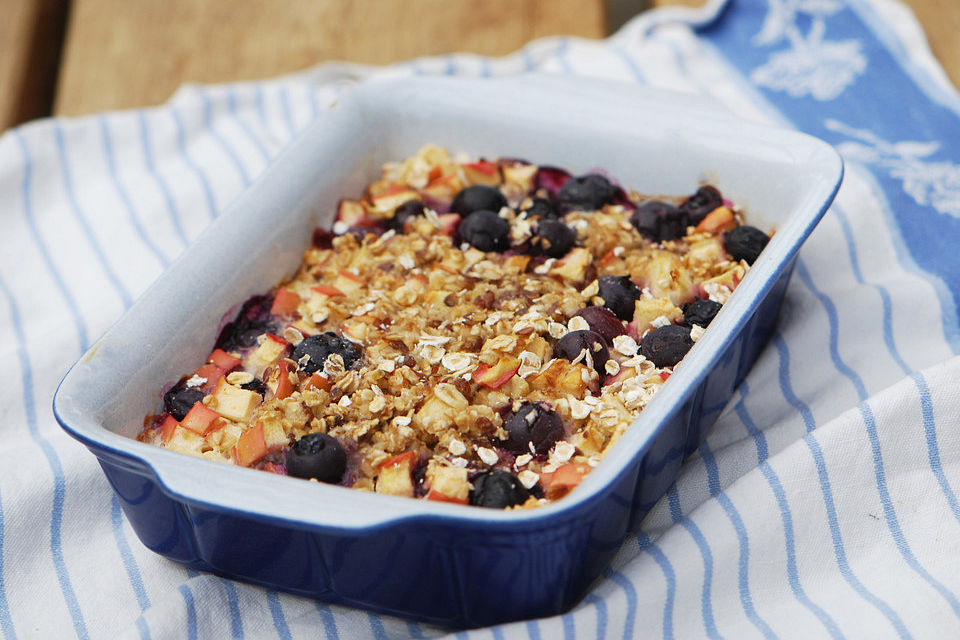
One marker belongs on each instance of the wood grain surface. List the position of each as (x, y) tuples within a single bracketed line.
[(30, 35), (124, 53)]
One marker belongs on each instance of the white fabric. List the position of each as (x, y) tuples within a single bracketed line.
[(821, 505)]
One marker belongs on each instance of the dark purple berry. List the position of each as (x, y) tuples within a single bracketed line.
[(745, 243), (540, 208), (570, 346), (700, 311), (257, 385), (533, 425), (179, 400), (586, 193), (660, 221), (317, 455), (705, 200), (478, 197), (602, 321), (497, 490), (485, 230), (666, 345), (409, 209), (550, 179), (619, 295), (252, 321), (552, 238), (311, 353)]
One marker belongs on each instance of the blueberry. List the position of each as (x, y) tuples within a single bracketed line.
[(570, 346), (257, 385), (660, 221), (619, 295), (251, 322), (534, 424), (180, 399), (666, 345), (700, 312), (409, 209), (586, 193), (540, 208), (552, 238), (485, 230), (705, 200), (320, 346), (745, 243), (317, 455), (497, 490), (602, 321), (476, 198)]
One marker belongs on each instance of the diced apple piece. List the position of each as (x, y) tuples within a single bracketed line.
[(483, 172), (201, 419), (274, 435), (516, 264), (497, 375), (319, 381), (573, 266), (250, 447), (186, 441), (329, 292), (211, 373), (561, 376), (720, 219), (395, 476), (666, 277), (706, 252), (268, 353), (434, 415), (564, 479), (519, 176), (448, 223), (285, 303), (167, 427), (448, 484), (729, 279), (224, 360), (349, 282), (646, 310), (284, 386), (444, 186), (234, 403), (356, 330), (351, 213), (392, 198)]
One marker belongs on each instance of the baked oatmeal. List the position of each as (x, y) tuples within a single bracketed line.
[(477, 332)]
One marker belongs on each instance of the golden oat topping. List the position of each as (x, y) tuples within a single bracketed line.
[(470, 331)]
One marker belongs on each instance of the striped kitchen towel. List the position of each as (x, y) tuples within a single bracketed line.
[(823, 503)]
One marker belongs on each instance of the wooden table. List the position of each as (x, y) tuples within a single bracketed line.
[(128, 53)]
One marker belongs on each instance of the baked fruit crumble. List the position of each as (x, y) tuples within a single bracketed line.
[(477, 332)]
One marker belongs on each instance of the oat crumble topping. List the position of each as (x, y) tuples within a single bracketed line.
[(472, 331)]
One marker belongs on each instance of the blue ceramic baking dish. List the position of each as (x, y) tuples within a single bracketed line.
[(443, 563)]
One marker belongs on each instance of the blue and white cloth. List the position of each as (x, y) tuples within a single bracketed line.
[(824, 502)]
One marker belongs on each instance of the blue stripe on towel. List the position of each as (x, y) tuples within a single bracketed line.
[(125, 197), (824, 479), (78, 320), (6, 621), (201, 176), (81, 217), (164, 187), (933, 449), (59, 479)]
